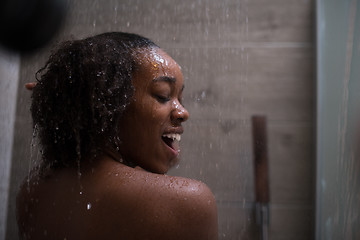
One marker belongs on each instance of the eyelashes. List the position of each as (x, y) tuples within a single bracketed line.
[(162, 99), (165, 99)]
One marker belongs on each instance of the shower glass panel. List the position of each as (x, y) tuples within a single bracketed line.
[(338, 86)]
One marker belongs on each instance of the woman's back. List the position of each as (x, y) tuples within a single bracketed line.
[(112, 201)]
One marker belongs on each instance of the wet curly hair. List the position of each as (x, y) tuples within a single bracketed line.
[(81, 93)]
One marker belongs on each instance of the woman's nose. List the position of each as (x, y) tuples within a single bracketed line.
[(179, 113)]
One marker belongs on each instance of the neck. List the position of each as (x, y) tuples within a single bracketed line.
[(116, 156)]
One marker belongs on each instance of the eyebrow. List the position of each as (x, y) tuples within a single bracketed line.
[(167, 79)]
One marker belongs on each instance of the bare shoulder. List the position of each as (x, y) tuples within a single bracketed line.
[(168, 207), (116, 201), (195, 208)]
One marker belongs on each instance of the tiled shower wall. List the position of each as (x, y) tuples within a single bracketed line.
[(239, 58)]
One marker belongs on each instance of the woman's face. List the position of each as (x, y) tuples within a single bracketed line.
[(151, 126)]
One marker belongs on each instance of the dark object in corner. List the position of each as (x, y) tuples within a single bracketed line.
[(27, 25)]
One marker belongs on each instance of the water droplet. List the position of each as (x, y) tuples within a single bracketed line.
[(88, 206)]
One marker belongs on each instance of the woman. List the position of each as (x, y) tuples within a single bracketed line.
[(108, 114)]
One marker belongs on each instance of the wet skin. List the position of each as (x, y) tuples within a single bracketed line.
[(113, 201), (155, 110)]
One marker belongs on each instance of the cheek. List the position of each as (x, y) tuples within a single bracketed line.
[(151, 111), (145, 111), (160, 114)]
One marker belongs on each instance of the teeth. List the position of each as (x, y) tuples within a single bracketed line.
[(173, 136)]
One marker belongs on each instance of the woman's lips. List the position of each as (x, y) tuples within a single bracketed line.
[(173, 136), (172, 141)]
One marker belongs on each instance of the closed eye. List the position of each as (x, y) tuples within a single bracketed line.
[(162, 99)]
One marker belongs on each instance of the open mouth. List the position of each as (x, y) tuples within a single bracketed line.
[(172, 140)]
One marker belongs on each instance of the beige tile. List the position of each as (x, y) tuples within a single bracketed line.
[(237, 221), (291, 222), (280, 20), (281, 83), (236, 83), (292, 163), (191, 23)]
